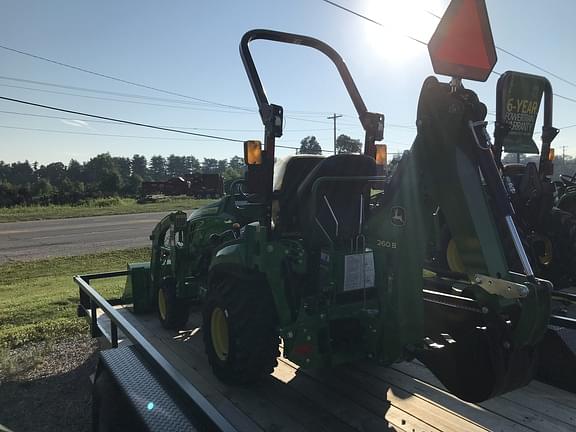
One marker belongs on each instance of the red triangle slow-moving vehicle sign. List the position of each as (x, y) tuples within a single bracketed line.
[(462, 45)]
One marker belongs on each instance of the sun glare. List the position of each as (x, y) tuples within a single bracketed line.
[(400, 18)]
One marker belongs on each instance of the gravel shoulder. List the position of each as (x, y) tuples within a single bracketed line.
[(46, 386), (46, 355)]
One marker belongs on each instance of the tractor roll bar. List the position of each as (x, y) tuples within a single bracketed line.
[(549, 132), (295, 39), (374, 129)]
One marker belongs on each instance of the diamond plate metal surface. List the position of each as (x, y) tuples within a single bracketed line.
[(158, 410)]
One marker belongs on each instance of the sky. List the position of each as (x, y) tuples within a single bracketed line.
[(190, 47)]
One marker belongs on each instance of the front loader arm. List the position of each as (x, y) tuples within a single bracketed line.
[(163, 252)]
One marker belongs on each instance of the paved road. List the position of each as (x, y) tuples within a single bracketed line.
[(20, 241)]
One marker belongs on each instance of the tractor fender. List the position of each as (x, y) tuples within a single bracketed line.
[(567, 201), (237, 261), (233, 260)]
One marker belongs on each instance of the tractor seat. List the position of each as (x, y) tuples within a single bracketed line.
[(288, 175), (335, 213), (525, 179), (514, 171), (530, 185)]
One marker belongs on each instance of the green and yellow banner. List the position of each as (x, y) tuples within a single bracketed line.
[(520, 103)]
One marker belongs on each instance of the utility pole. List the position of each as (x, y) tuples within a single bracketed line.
[(334, 117), (563, 159)]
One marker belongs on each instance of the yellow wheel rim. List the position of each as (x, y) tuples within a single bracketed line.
[(453, 258), (219, 332), (161, 304)]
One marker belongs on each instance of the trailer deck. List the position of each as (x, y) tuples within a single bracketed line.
[(359, 397)]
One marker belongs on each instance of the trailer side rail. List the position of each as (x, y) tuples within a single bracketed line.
[(91, 301)]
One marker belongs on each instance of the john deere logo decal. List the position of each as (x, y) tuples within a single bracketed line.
[(398, 216)]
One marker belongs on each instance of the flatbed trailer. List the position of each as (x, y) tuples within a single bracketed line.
[(168, 385)]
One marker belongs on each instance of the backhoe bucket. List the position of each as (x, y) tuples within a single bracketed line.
[(471, 353)]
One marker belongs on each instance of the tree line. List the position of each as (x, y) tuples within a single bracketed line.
[(344, 144), (24, 183)]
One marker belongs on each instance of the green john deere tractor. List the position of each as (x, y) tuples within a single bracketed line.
[(312, 252), (566, 193), (548, 231)]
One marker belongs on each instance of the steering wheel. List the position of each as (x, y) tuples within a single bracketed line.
[(236, 187), (568, 180)]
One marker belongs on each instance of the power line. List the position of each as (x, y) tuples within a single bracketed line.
[(154, 104), (565, 97), (244, 109), (388, 125), (399, 126), (433, 14), (110, 77), (306, 120), (119, 120), (136, 96), (536, 66), (206, 101), (339, 6), (102, 75), (298, 148), (94, 133), (173, 127), (92, 90), (196, 108), (424, 43)]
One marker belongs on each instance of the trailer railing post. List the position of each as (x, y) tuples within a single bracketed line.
[(113, 334), (94, 330)]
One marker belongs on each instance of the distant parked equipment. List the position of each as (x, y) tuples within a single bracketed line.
[(197, 185)]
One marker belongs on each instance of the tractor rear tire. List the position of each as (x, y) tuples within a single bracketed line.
[(561, 230), (172, 311), (239, 328), (449, 258), (568, 205)]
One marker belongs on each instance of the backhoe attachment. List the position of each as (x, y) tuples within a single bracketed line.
[(482, 331)]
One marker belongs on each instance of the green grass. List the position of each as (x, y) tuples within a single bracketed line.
[(97, 207), (38, 299)]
